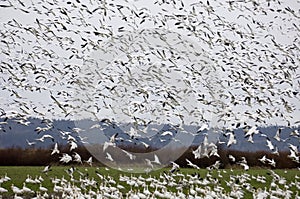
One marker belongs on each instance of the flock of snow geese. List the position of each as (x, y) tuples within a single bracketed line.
[(166, 185), (242, 69)]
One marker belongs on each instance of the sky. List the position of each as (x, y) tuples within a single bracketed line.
[(31, 41)]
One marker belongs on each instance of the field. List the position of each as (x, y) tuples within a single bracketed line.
[(92, 181)]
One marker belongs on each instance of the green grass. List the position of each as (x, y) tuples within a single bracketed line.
[(19, 174)]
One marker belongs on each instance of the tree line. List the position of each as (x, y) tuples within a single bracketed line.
[(17, 156)]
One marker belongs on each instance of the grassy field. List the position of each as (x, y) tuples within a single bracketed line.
[(223, 178)]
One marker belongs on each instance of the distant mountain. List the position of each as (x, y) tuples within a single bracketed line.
[(13, 133)]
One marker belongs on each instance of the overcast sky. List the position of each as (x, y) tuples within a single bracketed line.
[(265, 23)]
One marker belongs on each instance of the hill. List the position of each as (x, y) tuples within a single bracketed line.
[(14, 133)]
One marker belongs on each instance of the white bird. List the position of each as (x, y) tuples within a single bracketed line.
[(64, 133), (205, 141), (16, 190), (293, 155), (41, 179), (203, 127), (131, 156), (6, 178), (145, 145), (156, 159), (30, 143), (231, 139), (111, 142), (82, 139), (245, 166), (295, 133), (250, 139), (113, 138), (41, 129), (70, 171), (175, 167), (42, 139), (43, 189), (77, 130), (37, 181), (95, 126), (89, 161), (47, 169), (294, 148), (277, 135), (77, 158), (3, 190), (57, 189), (26, 189), (272, 162), (243, 160), (198, 152), (70, 138), (107, 144), (263, 159), (55, 149), (191, 164), (270, 145), (149, 163), (133, 132), (167, 133), (108, 156), (29, 180), (216, 165), (231, 157), (275, 151), (251, 131), (73, 145), (66, 158), (23, 122)]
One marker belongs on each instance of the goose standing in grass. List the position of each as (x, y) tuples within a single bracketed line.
[(38, 180), (16, 190), (26, 189), (42, 189), (6, 178), (3, 190)]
